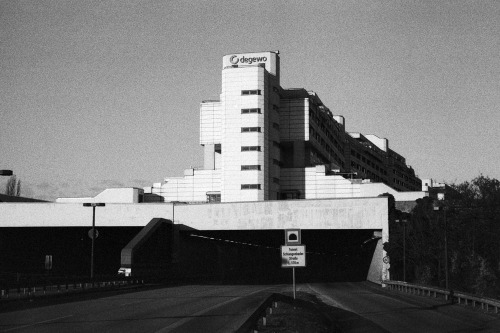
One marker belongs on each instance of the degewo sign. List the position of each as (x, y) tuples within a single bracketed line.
[(235, 59), (269, 59), (293, 256)]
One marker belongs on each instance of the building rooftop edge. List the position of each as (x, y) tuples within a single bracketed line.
[(276, 52)]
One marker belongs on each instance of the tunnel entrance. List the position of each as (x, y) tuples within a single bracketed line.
[(253, 256)]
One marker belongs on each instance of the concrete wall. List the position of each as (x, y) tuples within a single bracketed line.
[(337, 214), (313, 183), (210, 123), (75, 215), (359, 213), (192, 187)]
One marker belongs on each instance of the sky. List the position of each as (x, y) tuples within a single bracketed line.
[(100, 94)]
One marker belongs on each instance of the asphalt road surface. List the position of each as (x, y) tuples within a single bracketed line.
[(358, 307), (208, 308), (375, 309)]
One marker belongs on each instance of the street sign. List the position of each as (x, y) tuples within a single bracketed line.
[(91, 233), (292, 236), (48, 262), (293, 256)]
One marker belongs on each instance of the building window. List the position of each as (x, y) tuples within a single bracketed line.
[(213, 197), (250, 186), (290, 195), (250, 129), (250, 167), (254, 110), (251, 92), (276, 126), (276, 180), (250, 148)]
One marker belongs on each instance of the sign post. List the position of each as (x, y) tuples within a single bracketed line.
[(93, 231), (293, 254)]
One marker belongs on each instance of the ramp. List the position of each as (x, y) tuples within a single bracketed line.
[(150, 251)]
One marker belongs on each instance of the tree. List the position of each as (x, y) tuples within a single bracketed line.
[(475, 221), (471, 220), (13, 186)]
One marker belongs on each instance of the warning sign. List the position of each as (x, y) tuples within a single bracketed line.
[(293, 256)]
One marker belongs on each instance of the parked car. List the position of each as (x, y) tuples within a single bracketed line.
[(123, 271)]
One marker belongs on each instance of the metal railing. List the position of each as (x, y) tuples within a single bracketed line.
[(451, 295), (32, 291)]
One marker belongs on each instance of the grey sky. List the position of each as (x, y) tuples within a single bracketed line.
[(100, 91)]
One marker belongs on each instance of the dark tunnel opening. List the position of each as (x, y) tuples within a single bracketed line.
[(254, 256)]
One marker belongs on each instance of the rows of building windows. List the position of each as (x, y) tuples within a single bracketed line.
[(371, 162), (333, 136), (328, 125), (315, 158), (368, 173), (408, 181), (331, 152)]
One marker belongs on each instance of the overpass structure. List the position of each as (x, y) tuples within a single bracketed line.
[(348, 214)]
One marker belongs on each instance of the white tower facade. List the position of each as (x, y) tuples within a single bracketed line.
[(250, 124)]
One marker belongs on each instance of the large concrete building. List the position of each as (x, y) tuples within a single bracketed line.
[(265, 142), (262, 143)]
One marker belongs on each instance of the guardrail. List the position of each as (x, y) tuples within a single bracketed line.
[(265, 308), (451, 295), (27, 292)]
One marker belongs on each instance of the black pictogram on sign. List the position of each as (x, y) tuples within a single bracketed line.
[(292, 237)]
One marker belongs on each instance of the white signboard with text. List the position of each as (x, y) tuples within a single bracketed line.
[(293, 256), (270, 60)]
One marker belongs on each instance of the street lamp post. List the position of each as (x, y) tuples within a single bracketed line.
[(445, 244), (404, 247), (93, 205)]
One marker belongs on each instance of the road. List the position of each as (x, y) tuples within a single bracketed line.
[(358, 307), (176, 309), (372, 308)]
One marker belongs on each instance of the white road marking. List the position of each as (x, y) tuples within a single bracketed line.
[(199, 313), (330, 300), (136, 302), (34, 324)]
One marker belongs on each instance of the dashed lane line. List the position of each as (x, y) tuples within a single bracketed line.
[(37, 323), (199, 313)]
